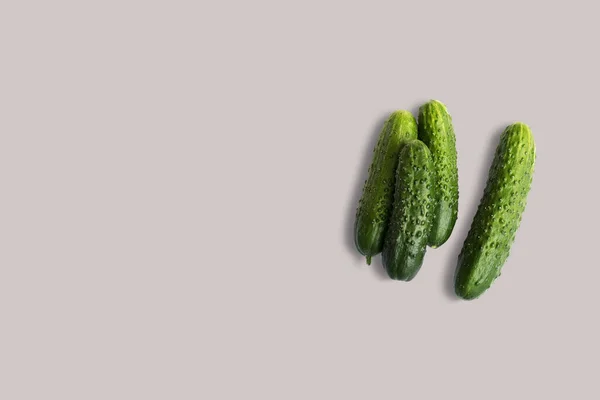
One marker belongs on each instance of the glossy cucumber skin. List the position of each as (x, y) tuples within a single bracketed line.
[(375, 204), (498, 216), (437, 132), (412, 216)]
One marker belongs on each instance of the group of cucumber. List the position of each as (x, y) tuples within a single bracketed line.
[(410, 199)]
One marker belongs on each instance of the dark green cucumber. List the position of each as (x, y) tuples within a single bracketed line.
[(436, 131), (412, 216), (375, 205), (495, 224)]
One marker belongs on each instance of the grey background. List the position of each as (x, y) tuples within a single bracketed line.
[(179, 182)]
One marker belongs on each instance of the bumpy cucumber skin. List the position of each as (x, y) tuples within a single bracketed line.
[(375, 205), (498, 217), (412, 216), (436, 131)]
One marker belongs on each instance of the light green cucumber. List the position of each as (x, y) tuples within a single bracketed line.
[(495, 224)]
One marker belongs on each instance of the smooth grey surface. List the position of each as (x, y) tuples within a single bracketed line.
[(179, 182)]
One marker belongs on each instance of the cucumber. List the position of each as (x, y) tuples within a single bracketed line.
[(375, 204), (495, 224), (436, 131), (413, 212)]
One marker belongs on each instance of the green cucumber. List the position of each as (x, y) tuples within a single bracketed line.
[(436, 131), (495, 224), (375, 204), (413, 212)]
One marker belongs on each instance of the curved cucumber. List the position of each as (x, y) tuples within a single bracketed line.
[(412, 217), (375, 205), (493, 229), (436, 131)]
